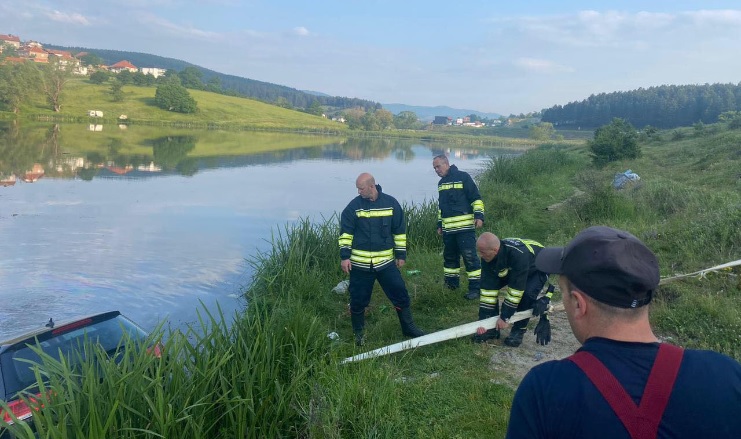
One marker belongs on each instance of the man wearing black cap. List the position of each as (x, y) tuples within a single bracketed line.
[(622, 382)]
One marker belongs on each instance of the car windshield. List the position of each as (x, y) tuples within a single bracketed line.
[(17, 372)]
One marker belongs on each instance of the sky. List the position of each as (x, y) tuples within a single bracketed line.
[(505, 57)]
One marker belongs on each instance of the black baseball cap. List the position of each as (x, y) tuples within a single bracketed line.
[(610, 265)]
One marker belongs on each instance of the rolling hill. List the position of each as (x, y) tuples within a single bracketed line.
[(263, 91)]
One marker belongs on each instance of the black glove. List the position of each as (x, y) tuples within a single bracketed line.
[(541, 306), (543, 331), (508, 310)]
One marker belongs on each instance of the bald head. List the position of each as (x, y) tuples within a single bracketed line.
[(365, 179), (488, 246), (366, 185)]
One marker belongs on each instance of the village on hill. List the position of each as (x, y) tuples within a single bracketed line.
[(18, 51)]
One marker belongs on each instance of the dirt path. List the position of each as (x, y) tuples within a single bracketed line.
[(511, 364)]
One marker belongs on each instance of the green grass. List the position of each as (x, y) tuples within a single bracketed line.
[(275, 373), (214, 110)]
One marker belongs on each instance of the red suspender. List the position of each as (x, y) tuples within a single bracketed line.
[(642, 422)]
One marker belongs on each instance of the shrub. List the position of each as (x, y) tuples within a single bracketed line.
[(174, 97), (616, 141), (99, 77)]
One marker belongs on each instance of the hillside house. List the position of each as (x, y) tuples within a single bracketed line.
[(154, 71), (34, 53), (63, 57), (121, 66), (10, 40)]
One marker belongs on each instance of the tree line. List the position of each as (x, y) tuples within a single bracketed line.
[(665, 106)]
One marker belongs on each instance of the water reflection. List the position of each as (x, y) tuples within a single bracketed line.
[(36, 152), (151, 222)]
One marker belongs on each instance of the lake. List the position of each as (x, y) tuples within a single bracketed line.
[(153, 222)]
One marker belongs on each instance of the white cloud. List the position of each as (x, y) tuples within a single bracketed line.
[(157, 23), (301, 31), (643, 29), (540, 65), (726, 17), (69, 18)]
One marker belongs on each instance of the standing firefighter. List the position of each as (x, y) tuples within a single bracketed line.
[(461, 211), (511, 262), (373, 245)]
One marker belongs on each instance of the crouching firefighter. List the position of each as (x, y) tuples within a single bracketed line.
[(511, 263), (373, 245)]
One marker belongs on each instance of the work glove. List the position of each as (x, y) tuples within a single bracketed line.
[(541, 305), (543, 331), (508, 310)]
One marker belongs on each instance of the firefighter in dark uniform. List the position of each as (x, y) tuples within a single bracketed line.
[(461, 211), (511, 262), (373, 245)]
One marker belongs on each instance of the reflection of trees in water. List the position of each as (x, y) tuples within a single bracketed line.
[(171, 150), (20, 149), (363, 148), (87, 174), (187, 166)]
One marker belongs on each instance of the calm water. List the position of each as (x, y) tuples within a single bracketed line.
[(92, 235)]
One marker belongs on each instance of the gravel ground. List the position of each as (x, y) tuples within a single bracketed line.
[(510, 365)]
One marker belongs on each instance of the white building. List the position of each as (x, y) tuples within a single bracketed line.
[(154, 71)]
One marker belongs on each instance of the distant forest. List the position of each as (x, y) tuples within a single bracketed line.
[(666, 106), (230, 84)]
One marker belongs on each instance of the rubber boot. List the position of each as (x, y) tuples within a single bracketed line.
[(514, 339), (474, 289), (490, 334), (408, 328), (472, 294), (358, 324)]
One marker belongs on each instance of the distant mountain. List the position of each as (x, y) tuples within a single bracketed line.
[(427, 114), (263, 91)]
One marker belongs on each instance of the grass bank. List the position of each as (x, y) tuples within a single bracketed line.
[(215, 111), (275, 373)]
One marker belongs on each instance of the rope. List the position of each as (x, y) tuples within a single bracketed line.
[(701, 274)]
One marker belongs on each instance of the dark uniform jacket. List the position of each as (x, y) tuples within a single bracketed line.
[(511, 267), (373, 233), (557, 400), (459, 202)]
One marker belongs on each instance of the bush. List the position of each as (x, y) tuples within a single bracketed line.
[(99, 77), (174, 97), (616, 141)]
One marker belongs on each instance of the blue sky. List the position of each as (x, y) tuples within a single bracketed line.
[(493, 56)]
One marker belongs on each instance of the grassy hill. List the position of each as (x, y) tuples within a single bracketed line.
[(214, 110), (264, 91)]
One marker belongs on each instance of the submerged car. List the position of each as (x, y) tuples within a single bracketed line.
[(109, 329)]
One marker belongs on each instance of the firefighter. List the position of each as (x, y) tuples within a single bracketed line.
[(461, 212), (373, 245), (511, 262)]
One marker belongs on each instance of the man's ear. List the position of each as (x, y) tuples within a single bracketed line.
[(580, 302)]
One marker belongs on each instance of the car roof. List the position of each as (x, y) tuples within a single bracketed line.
[(43, 330)]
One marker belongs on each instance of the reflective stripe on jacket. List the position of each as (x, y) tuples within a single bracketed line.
[(459, 202), (511, 267), (373, 233)]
